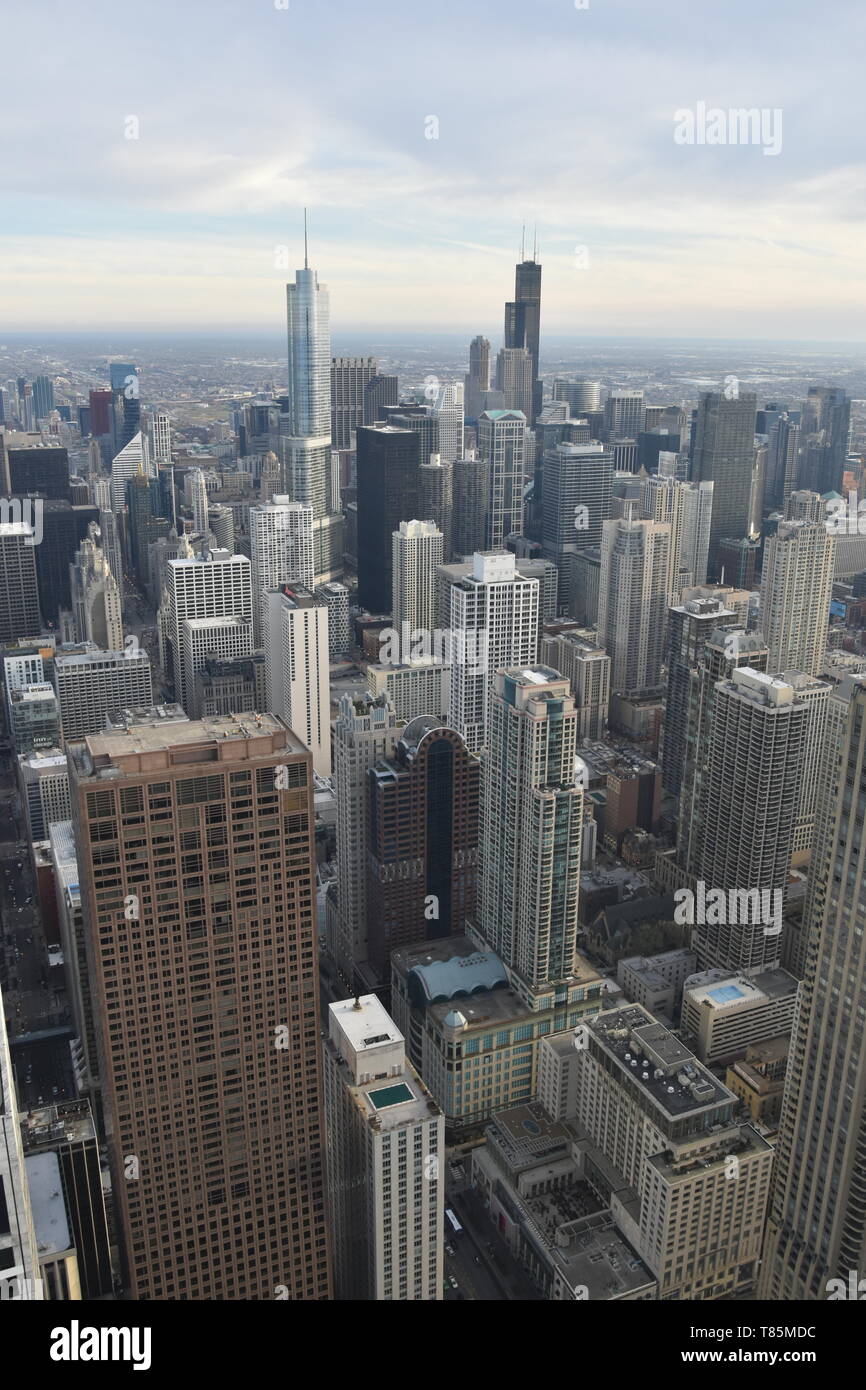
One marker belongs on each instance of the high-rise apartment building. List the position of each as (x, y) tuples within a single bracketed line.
[(817, 1224), (295, 629), (209, 1040), (281, 550), (690, 626), (195, 487), (469, 525), (583, 396), (749, 806), (213, 585), (586, 666), (632, 601), (502, 444), (91, 685), (796, 589), (530, 829), (335, 597), (688, 509), (349, 378), (494, 609), (423, 846), (386, 1161), (717, 656), (417, 551), (724, 454)]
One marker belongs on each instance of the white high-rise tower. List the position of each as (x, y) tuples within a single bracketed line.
[(417, 548), (281, 549)]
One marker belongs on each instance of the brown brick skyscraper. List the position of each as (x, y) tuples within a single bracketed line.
[(195, 854)]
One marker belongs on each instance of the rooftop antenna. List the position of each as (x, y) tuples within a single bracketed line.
[(523, 242), (306, 263), (535, 242)]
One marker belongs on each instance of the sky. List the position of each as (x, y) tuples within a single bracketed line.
[(243, 111)]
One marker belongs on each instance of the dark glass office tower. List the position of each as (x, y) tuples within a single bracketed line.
[(523, 320), (724, 453), (825, 427), (39, 472), (388, 493), (64, 528), (424, 812), (147, 520), (127, 405)]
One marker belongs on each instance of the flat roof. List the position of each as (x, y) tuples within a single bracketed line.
[(150, 738)]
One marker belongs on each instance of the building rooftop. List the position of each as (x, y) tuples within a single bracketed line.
[(104, 753), (657, 1062), (736, 989)]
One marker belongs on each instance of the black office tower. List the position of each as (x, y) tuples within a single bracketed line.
[(523, 321), (388, 493)]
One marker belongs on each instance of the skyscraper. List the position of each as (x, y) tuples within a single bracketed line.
[(210, 586), (281, 549), (632, 601), (523, 325), (387, 494), (514, 379), (350, 377), (43, 397), (477, 380), (160, 437), (448, 409), (495, 608), (469, 524), (365, 730), (724, 454), (502, 445), (417, 550), (749, 802), (796, 589), (196, 491), (295, 636), (577, 485), (308, 447), (19, 1270), (423, 847), (132, 459), (94, 684), (690, 626), (215, 1138), (817, 1223), (825, 430), (96, 605), (688, 508), (624, 414), (386, 1141), (531, 826), (19, 590)]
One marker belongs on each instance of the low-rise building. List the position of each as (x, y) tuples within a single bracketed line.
[(724, 1013)]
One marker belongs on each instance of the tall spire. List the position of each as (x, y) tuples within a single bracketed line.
[(306, 262), (535, 243), (523, 242)]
